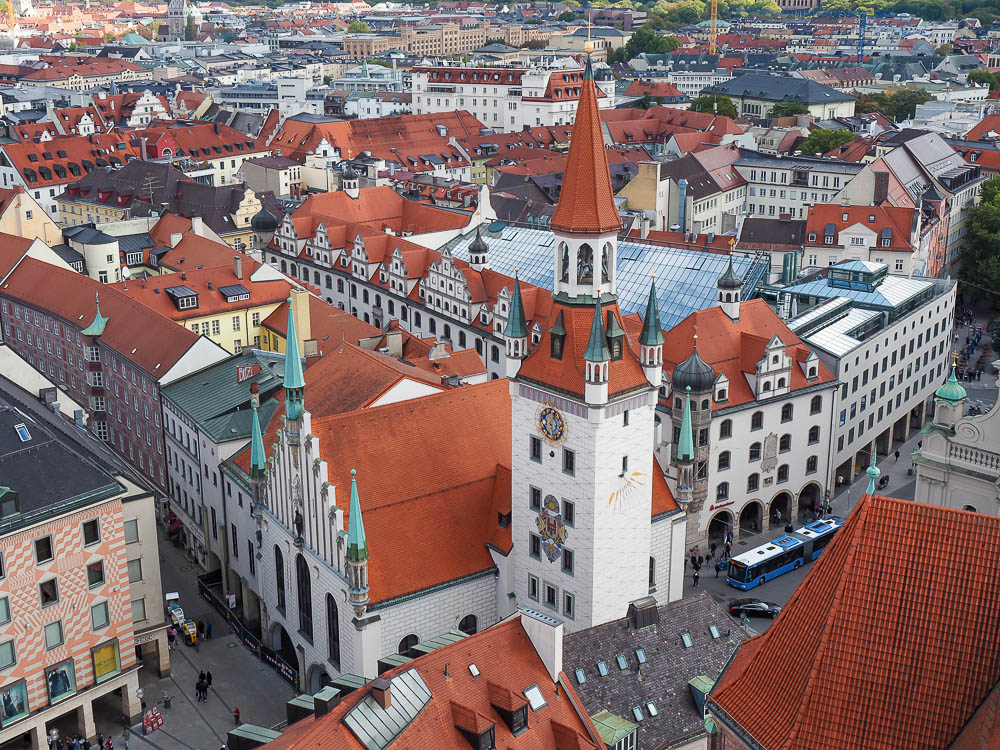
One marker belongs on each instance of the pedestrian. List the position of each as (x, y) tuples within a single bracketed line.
[(173, 637), (714, 546), (897, 455), (201, 676), (208, 637), (85, 744), (76, 743), (197, 690), (695, 579), (109, 744), (701, 561), (236, 716), (199, 630), (208, 678), (125, 739), (718, 566)]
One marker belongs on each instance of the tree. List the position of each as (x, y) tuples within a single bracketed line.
[(109, 37), (566, 16), (981, 76), (644, 40), (897, 104), (945, 49), (718, 104), (359, 27), (821, 141), (787, 109), (535, 44), (190, 30), (980, 267)]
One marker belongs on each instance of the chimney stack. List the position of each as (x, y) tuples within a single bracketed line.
[(175, 238), (382, 692), (238, 266)]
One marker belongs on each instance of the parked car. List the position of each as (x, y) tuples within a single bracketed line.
[(753, 608)]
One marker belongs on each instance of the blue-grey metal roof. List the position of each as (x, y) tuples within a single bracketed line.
[(233, 290), (377, 727), (134, 243), (685, 279), (892, 292), (180, 291)]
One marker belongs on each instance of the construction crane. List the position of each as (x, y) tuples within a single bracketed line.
[(713, 29), (862, 35)]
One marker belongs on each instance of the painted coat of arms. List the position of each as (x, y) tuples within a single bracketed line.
[(551, 528)]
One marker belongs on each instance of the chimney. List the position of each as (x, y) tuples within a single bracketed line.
[(546, 635), (643, 226), (238, 266), (175, 238), (325, 700), (881, 188), (142, 149), (198, 226), (438, 351), (382, 692)]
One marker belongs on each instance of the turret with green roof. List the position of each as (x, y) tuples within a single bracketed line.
[(357, 553), (294, 381)]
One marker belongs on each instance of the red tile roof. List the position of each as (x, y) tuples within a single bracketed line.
[(988, 127), (889, 642), (508, 664), (329, 325), (586, 203), (569, 373), (653, 88), (876, 218), (734, 347), (42, 164), (138, 333)]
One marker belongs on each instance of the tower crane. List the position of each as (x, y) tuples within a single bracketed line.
[(713, 29)]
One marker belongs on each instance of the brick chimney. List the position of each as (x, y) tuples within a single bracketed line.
[(382, 692), (238, 266)]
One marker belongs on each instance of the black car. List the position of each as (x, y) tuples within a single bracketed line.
[(753, 608)]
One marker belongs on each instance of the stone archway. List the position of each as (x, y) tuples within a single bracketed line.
[(282, 643), (213, 562), (720, 525), (317, 678), (810, 499), (751, 517), (779, 514)]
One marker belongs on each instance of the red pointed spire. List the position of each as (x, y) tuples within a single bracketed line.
[(587, 203)]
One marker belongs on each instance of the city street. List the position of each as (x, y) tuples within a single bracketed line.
[(239, 679)]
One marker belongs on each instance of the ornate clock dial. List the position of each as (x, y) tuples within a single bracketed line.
[(551, 424)]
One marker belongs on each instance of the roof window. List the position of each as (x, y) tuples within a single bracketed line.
[(535, 697), (651, 708), (580, 677), (622, 662), (22, 432), (687, 640), (714, 630), (637, 713), (602, 668), (640, 654)]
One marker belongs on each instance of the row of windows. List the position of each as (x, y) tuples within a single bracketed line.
[(548, 594), (753, 480), (754, 451)]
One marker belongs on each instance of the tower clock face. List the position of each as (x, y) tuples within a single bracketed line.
[(551, 424)]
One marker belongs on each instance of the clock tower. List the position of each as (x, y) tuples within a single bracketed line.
[(583, 404)]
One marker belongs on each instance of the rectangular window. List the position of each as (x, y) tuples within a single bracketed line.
[(569, 513), (53, 634), (7, 656), (135, 570), (216, 328), (95, 574), (569, 605), (99, 616), (567, 561), (535, 546), (250, 557), (131, 531), (236, 547), (569, 461), (535, 448), (4, 610), (551, 595), (48, 591), (91, 532), (236, 322), (138, 610), (536, 498), (43, 549), (532, 587)]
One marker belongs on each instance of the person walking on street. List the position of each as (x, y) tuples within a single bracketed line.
[(109, 744), (201, 676), (208, 678), (208, 636), (199, 632), (236, 716), (718, 565), (695, 578), (897, 455), (125, 739)]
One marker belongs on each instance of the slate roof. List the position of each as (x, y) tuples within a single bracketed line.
[(883, 645), (663, 678), (779, 89), (79, 480)]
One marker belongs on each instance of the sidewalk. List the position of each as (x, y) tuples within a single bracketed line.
[(239, 678)]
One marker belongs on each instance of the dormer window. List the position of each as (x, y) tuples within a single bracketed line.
[(558, 332), (615, 337)]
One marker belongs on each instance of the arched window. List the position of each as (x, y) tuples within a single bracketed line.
[(333, 631), (279, 577), (814, 434), (786, 413), (407, 643), (754, 452), (816, 405), (785, 443), (767, 386), (811, 463), (585, 264), (722, 395), (652, 573), (469, 625), (723, 460), (705, 404), (726, 428), (753, 482), (563, 261), (304, 592), (757, 420), (783, 473), (722, 491), (606, 263), (781, 382), (970, 508)]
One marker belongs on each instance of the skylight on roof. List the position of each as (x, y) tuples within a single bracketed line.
[(535, 697), (651, 707), (640, 654), (637, 713), (622, 663), (22, 432), (580, 677), (602, 668), (714, 630), (474, 670), (687, 640)]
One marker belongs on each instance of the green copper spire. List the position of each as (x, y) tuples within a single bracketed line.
[(652, 333), (357, 544), (873, 473), (685, 444), (258, 459), (730, 280), (96, 328), (517, 326), (597, 346), (951, 392), (294, 381)]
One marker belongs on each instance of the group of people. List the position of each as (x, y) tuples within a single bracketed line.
[(203, 631), (717, 554), (201, 687), (82, 743)]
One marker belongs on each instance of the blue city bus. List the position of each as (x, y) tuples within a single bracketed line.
[(781, 555)]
